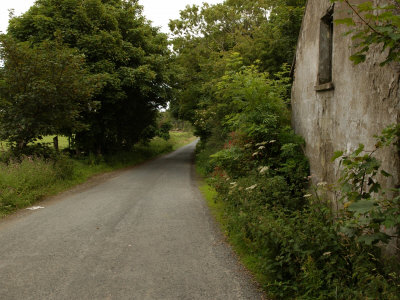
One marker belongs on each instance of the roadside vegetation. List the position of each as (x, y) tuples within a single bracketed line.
[(235, 88), (82, 87), (29, 179), (97, 73)]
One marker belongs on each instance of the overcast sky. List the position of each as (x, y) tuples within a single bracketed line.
[(158, 11)]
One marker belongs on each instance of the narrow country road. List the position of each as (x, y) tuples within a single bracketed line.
[(143, 234)]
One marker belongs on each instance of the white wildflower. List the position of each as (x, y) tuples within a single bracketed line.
[(307, 195), (261, 144), (261, 147), (255, 154), (263, 169), (272, 141), (251, 187), (327, 253)]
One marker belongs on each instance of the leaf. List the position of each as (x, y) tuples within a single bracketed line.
[(359, 149), (346, 187), (358, 58), (366, 6), (386, 174), (374, 238), (362, 206), (336, 155), (375, 188), (347, 231), (370, 181)]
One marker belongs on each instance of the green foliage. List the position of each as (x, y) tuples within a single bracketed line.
[(31, 178), (252, 109), (261, 33), (23, 182), (164, 125), (374, 25), (243, 98), (297, 252), (260, 172), (297, 246), (371, 213), (295, 243), (44, 89), (164, 131), (119, 45)]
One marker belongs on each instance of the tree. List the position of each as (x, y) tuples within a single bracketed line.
[(261, 32), (43, 91), (122, 46)]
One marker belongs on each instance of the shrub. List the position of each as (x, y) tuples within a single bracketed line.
[(300, 253), (296, 243)]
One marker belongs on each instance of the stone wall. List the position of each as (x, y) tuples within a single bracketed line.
[(357, 104)]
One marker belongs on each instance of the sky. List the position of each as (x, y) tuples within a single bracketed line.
[(158, 11)]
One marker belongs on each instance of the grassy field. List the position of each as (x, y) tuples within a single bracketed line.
[(62, 142), (24, 183), (178, 139)]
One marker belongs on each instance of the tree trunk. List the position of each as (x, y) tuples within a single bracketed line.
[(55, 142), (22, 145)]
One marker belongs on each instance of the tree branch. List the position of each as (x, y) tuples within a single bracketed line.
[(361, 18)]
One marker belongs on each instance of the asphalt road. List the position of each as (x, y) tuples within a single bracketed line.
[(144, 233)]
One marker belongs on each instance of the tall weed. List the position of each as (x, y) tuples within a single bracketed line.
[(22, 183), (300, 253), (27, 179)]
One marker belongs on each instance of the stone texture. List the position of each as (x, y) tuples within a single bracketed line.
[(363, 101)]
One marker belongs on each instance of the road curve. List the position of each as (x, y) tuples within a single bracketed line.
[(144, 234)]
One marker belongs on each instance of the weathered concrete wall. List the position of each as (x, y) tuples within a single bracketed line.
[(364, 100)]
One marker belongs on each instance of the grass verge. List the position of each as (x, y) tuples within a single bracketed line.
[(26, 182), (218, 210)]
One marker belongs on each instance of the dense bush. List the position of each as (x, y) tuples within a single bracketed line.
[(260, 144), (127, 58), (257, 166), (300, 253)]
